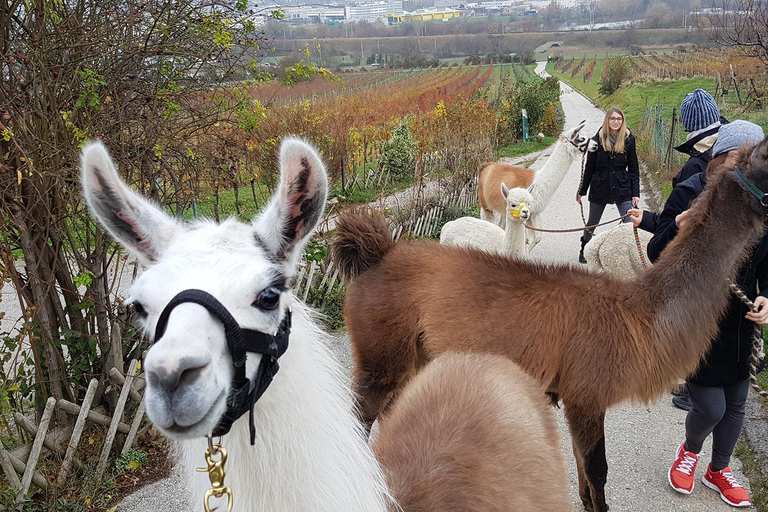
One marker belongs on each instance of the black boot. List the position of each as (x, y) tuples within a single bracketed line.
[(582, 259)]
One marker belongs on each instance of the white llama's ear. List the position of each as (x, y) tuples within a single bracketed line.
[(578, 128), (135, 223), (298, 205), (504, 190)]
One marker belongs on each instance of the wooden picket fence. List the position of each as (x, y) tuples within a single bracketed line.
[(20, 465), (318, 279)]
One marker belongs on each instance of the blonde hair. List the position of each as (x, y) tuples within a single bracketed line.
[(605, 132)]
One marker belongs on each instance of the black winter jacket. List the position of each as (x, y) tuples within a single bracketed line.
[(728, 360), (611, 177), (698, 160)]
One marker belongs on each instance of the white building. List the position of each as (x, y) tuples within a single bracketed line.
[(373, 10), (317, 13), (370, 11)]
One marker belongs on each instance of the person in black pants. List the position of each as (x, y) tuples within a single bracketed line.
[(611, 173), (718, 390)]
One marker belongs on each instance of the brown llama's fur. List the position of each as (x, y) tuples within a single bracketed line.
[(492, 175), (472, 432), (593, 339)]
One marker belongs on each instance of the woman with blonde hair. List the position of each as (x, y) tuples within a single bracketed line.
[(611, 173)]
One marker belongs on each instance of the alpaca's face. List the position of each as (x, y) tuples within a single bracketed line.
[(518, 203), (579, 143), (248, 268)]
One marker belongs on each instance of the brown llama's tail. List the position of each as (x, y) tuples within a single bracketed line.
[(363, 238)]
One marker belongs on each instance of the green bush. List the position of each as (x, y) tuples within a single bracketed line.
[(615, 73), (398, 154), (538, 97)]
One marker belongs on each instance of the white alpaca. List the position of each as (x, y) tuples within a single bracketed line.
[(479, 234), (309, 453), (615, 251)]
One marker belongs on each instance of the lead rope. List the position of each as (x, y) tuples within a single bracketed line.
[(757, 340), (581, 183), (639, 245)]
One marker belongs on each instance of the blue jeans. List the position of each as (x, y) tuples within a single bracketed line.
[(596, 213)]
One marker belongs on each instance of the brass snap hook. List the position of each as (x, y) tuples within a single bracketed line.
[(216, 474)]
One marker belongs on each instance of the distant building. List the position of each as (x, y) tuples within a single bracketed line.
[(370, 11), (431, 14), (315, 13), (373, 10)]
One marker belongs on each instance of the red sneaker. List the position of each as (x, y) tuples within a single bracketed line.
[(730, 490), (681, 474)]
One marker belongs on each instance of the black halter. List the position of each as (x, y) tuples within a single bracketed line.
[(241, 398), (759, 194)]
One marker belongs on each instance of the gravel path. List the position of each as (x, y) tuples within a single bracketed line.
[(640, 441)]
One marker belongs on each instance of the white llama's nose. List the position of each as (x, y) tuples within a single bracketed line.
[(169, 372), (525, 213)]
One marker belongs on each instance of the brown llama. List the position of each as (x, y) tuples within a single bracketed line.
[(472, 432), (593, 340)]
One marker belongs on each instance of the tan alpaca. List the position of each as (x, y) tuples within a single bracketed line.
[(497, 448), (592, 339)]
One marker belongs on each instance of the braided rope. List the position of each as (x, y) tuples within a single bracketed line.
[(757, 341), (639, 245), (581, 183)]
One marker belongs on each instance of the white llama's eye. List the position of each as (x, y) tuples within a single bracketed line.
[(268, 299), (138, 308)]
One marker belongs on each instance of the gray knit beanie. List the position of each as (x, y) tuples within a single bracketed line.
[(736, 133), (698, 110)]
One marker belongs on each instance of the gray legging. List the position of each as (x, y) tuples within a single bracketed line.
[(596, 213), (719, 411)]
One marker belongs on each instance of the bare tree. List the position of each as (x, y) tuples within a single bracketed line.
[(739, 23), (154, 79)]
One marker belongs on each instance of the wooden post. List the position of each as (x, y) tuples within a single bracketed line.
[(48, 440), (37, 447), (93, 417), (118, 379), (671, 137), (116, 346), (309, 280), (8, 469), (112, 432), (20, 467), (735, 84), (77, 432), (134, 428)]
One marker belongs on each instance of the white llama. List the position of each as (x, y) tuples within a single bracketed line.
[(615, 251), (309, 452), (570, 147), (473, 232)]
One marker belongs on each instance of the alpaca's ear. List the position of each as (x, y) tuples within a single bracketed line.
[(760, 154), (298, 205), (504, 190), (136, 224)]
